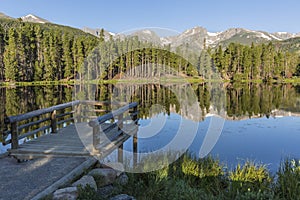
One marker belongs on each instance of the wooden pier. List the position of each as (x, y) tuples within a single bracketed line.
[(73, 129)]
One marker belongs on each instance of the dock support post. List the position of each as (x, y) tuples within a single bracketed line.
[(96, 138), (14, 135), (120, 154), (135, 117), (120, 127), (135, 141), (120, 122), (78, 113), (53, 122)]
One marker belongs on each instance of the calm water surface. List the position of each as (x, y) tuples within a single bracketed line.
[(262, 122)]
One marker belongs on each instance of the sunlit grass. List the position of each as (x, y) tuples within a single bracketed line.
[(190, 178), (193, 178), (288, 182)]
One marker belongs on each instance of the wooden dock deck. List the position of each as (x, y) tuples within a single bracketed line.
[(71, 141), (97, 137)]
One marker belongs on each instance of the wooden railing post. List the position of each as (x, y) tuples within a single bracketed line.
[(120, 154), (96, 137), (135, 114), (14, 135), (78, 112), (53, 122), (120, 122), (120, 127), (135, 149)]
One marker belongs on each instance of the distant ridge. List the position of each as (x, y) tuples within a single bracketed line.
[(28, 18), (198, 37), (34, 19), (195, 38), (2, 15)]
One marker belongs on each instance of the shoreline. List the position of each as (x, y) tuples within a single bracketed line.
[(168, 80)]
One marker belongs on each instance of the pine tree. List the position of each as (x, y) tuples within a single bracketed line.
[(2, 47), (246, 62), (48, 69), (10, 57), (39, 62), (101, 36), (67, 56), (256, 52)]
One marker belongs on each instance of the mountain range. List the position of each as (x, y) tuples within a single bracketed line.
[(28, 18), (198, 37), (195, 38)]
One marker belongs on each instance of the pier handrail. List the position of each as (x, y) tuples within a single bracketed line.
[(36, 113), (13, 121), (56, 119), (112, 114), (116, 114)]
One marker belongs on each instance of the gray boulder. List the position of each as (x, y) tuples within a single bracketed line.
[(86, 180), (69, 193)]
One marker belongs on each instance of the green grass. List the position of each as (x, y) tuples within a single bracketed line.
[(288, 182), (207, 178)]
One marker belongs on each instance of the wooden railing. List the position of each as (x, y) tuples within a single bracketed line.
[(37, 121), (117, 119), (52, 118)]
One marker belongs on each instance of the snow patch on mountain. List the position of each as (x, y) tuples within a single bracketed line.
[(111, 33), (212, 34), (263, 35), (281, 33), (34, 19), (198, 37), (165, 41), (147, 32), (275, 37)]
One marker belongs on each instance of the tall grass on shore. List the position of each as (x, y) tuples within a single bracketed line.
[(207, 178)]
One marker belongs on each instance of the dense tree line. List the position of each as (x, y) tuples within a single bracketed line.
[(235, 62), (264, 61), (136, 59), (37, 52), (48, 52)]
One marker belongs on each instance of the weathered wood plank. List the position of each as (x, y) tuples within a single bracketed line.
[(102, 103), (67, 141), (34, 132), (33, 123), (113, 114), (37, 113), (64, 114)]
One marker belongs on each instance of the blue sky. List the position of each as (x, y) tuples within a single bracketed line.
[(122, 15)]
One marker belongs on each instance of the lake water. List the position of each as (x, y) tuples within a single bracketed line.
[(232, 122)]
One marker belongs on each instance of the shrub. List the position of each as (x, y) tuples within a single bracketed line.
[(87, 192), (249, 178)]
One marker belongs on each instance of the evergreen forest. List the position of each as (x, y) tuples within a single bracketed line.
[(47, 52)]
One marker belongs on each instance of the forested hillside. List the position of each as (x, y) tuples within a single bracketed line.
[(39, 52), (264, 61), (49, 52)]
